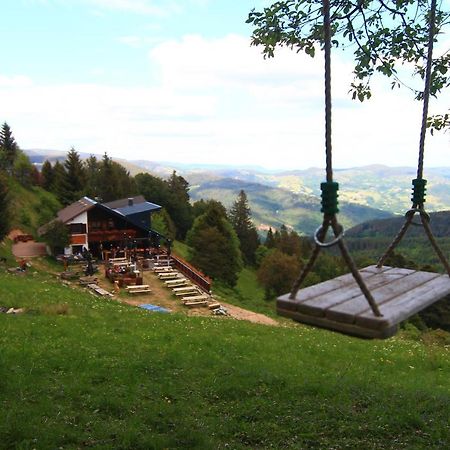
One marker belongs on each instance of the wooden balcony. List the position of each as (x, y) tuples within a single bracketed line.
[(111, 235)]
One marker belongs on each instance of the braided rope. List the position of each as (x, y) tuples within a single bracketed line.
[(329, 189), (426, 92), (419, 183)]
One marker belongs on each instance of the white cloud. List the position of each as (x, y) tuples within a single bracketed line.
[(219, 101)]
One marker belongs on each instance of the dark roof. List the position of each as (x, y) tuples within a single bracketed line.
[(75, 209), (132, 205), (124, 202), (139, 208)]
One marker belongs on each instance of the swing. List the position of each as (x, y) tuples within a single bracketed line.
[(369, 303)]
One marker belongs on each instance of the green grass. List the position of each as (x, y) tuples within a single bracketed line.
[(32, 207), (78, 371), (247, 293), (181, 249)]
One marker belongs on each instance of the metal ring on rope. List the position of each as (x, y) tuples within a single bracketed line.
[(329, 243), (422, 212)]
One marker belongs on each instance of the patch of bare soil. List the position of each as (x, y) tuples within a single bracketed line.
[(28, 249), (243, 314), (163, 296)]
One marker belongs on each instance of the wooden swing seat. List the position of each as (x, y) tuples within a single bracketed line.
[(339, 304)]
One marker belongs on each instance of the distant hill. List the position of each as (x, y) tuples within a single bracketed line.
[(292, 197), (272, 206), (376, 186), (373, 237), (440, 223)]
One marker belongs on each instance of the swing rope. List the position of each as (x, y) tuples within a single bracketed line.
[(330, 188), (419, 183)]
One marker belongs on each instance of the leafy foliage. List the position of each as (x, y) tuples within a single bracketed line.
[(215, 246), (173, 194), (278, 272), (56, 236), (384, 34), (163, 224)]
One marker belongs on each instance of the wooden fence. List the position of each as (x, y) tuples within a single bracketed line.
[(192, 273)]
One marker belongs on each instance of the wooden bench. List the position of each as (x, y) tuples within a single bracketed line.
[(176, 282), (196, 304), (162, 269), (100, 291), (88, 280), (169, 275), (189, 290), (138, 289), (195, 298)]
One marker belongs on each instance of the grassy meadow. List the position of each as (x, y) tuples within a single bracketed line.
[(78, 371)]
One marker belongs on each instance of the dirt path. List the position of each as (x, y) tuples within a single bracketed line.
[(28, 249), (162, 296), (244, 314)]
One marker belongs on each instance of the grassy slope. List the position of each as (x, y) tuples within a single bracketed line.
[(31, 207), (78, 372)]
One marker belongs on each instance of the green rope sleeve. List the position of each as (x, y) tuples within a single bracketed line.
[(329, 197), (419, 191)]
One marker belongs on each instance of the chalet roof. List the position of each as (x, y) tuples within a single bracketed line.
[(139, 208), (124, 202), (75, 209), (132, 205)]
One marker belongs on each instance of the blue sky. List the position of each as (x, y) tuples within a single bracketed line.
[(176, 80)]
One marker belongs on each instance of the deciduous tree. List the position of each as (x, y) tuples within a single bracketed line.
[(278, 272), (384, 35), (215, 246)]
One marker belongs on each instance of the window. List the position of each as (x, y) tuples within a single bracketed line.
[(77, 228)]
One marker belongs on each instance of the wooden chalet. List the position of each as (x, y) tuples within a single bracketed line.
[(104, 227)]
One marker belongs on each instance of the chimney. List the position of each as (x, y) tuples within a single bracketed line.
[(130, 202)]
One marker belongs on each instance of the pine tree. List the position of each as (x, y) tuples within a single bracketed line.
[(215, 246), (178, 205), (73, 181), (270, 240), (92, 170), (58, 177), (8, 148), (47, 175), (106, 179), (240, 218)]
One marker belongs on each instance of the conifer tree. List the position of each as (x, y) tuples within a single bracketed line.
[(91, 169), (47, 175), (58, 177), (8, 148), (240, 218), (270, 239), (105, 179), (73, 181), (215, 246), (178, 205)]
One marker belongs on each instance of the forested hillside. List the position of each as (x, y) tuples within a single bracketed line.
[(273, 207)]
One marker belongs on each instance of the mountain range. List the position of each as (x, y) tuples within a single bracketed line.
[(293, 197)]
